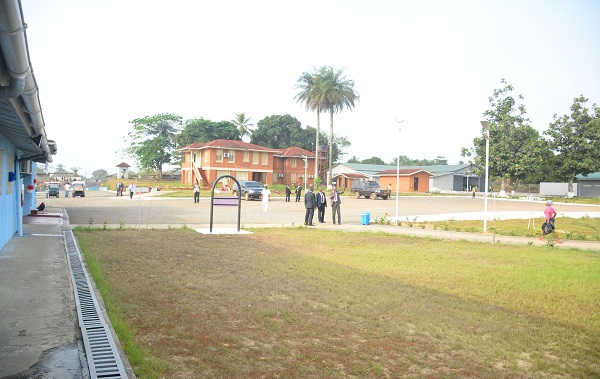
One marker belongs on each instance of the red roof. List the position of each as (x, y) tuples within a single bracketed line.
[(122, 164), (295, 151), (352, 175), (228, 144), (241, 145)]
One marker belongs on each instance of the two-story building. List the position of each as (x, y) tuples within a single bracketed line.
[(208, 161)]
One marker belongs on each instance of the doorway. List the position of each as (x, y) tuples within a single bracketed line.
[(416, 184)]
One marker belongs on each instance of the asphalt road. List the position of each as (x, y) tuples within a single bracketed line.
[(102, 207)]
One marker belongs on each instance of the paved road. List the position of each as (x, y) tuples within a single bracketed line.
[(101, 207)]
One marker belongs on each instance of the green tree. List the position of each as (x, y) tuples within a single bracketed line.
[(373, 160), (311, 94), (338, 94), (515, 147), (153, 140), (354, 159), (243, 124), (575, 139), (277, 131), (99, 175), (199, 130)]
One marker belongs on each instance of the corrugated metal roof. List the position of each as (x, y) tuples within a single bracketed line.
[(592, 176)]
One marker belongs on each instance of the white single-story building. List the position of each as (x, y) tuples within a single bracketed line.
[(443, 177)]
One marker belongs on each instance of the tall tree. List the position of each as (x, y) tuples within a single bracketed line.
[(311, 94), (201, 130), (373, 160), (515, 147), (99, 175), (575, 138), (153, 140), (243, 124), (338, 94), (281, 132)]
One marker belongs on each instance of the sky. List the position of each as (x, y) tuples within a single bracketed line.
[(431, 64)]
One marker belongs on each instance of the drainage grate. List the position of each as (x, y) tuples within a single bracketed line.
[(102, 355)]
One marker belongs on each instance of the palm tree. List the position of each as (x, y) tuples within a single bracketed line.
[(243, 124), (310, 94), (338, 93)]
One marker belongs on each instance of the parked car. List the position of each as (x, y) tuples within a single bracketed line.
[(52, 189), (249, 189), (78, 188), (368, 189)]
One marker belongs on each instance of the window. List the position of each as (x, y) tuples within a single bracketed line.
[(294, 162), (219, 155), (232, 156), (205, 152), (246, 156), (293, 177), (254, 157), (194, 157), (265, 158)]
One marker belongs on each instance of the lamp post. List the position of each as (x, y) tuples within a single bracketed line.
[(305, 158), (398, 172), (486, 135)]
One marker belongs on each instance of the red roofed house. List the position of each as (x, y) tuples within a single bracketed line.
[(411, 179), (245, 161)]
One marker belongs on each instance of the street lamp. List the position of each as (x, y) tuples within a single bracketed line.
[(486, 135), (305, 158), (398, 172)]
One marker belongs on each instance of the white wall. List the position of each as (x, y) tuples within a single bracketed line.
[(556, 189)]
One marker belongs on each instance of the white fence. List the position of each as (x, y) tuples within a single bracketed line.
[(557, 189)]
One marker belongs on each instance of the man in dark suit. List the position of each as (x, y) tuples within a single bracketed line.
[(309, 204), (321, 205), (298, 192), (288, 192), (336, 201)]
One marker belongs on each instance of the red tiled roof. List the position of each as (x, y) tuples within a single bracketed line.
[(122, 164), (404, 172), (229, 144), (352, 175), (295, 151)]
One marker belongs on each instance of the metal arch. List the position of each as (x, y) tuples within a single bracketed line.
[(212, 200)]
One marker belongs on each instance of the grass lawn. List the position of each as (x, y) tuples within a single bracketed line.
[(583, 229), (306, 303)]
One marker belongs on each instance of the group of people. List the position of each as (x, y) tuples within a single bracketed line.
[(121, 187), (297, 191), (318, 201)]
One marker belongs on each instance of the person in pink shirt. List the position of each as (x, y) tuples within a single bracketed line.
[(550, 215)]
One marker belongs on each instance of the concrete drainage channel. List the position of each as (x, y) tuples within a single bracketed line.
[(102, 354)]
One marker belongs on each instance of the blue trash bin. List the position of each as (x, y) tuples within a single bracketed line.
[(365, 217)]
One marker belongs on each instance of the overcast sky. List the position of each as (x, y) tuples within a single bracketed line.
[(100, 64)]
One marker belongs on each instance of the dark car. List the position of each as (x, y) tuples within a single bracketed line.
[(368, 189), (249, 190)]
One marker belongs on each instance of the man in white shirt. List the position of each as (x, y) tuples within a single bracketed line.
[(266, 197)]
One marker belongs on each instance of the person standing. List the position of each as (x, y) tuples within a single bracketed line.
[(550, 215), (266, 197), (298, 192), (474, 189), (336, 201), (196, 192), (288, 192), (321, 205), (309, 204), (131, 188), (67, 188)]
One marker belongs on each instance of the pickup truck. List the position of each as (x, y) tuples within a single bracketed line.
[(368, 189)]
